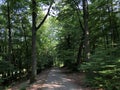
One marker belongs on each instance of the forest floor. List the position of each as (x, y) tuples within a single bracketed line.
[(55, 79)]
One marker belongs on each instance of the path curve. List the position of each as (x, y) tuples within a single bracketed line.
[(57, 80)]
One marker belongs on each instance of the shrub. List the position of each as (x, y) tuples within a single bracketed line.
[(103, 70)]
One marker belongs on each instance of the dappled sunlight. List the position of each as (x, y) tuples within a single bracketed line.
[(35, 87), (52, 85), (53, 80), (66, 79), (58, 81)]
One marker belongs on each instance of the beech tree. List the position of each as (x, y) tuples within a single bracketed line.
[(34, 31)]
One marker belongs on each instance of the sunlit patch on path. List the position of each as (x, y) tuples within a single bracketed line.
[(56, 80)]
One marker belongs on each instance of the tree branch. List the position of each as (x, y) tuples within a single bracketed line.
[(78, 14), (45, 17)]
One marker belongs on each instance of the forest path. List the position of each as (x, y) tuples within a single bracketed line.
[(57, 80), (54, 79)]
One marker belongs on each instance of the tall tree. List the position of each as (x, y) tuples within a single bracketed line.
[(85, 17), (33, 71), (81, 44), (34, 31)]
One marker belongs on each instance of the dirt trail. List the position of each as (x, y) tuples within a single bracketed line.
[(54, 79), (57, 80)]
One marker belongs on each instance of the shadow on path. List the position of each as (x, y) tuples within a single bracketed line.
[(56, 80)]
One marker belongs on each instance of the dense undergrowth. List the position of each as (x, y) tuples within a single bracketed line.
[(103, 70)]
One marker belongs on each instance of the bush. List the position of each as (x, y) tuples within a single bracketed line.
[(103, 71)]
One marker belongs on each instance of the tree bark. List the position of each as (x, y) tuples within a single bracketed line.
[(9, 32), (34, 61), (85, 17), (34, 31), (9, 38), (79, 54), (27, 49)]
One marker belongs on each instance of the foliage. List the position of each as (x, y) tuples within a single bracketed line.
[(103, 70), (68, 36), (61, 39), (19, 66), (6, 66)]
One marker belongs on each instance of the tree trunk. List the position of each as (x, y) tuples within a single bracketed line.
[(85, 17), (34, 61), (9, 38), (9, 32), (34, 31), (80, 50), (79, 55), (27, 50)]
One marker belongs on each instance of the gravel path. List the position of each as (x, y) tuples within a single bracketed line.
[(56, 80)]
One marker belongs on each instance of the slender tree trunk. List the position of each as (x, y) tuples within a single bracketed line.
[(67, 38), (79, 55), (9, 39), (27, 49), (85, 17), (9, 32), (6, 49), (112, 23), (80, 50), (109, 8)]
